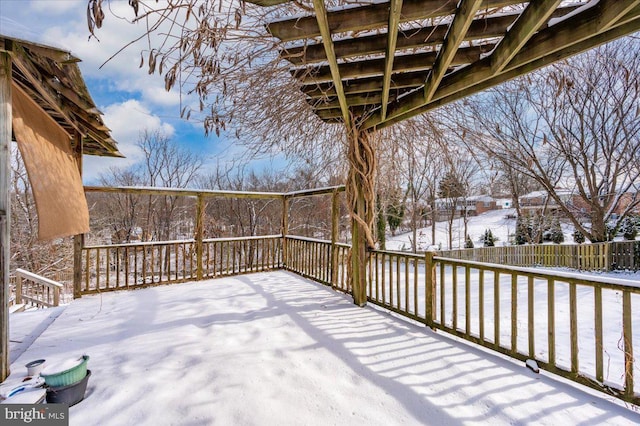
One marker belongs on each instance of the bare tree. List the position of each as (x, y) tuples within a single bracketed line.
[(166, 164), (420, 163), (170, 165), (120, 213), (575, 125), (220, 53)]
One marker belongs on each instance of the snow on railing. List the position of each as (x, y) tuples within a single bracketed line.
[(36, 290)]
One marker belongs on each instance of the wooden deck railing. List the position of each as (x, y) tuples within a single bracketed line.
[(318, 260), (233, 256), (582, 328), (124, 266), (35, 290), (579, 327), (396, 281)]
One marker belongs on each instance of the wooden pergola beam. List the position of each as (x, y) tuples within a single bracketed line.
[(323, 24), (531, 19), (390, 53), (368, 17), (614, 11), (359, 99), (461, 21), (375, 67), (491, 26), (402, 80)]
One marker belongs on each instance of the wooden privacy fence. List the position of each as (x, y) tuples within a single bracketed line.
[(623, 255), (35, 290), (124, 266)]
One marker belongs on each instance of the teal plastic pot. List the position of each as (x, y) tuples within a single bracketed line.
[(66, 373)]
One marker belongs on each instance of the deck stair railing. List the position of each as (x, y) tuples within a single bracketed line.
[(35, 290)]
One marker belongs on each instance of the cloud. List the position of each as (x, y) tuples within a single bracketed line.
[(126, 120), (56, 7), (63, 24)]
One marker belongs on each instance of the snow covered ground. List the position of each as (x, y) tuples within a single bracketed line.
[(276, 349), (496, 220)]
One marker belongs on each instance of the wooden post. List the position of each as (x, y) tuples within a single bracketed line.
[(18, 289), (78, 240), (335, 229), (56, 296), (5, 205), (285, 230), (359, 186), (430, 273), (78, 243), (358, 257), (199, 236)]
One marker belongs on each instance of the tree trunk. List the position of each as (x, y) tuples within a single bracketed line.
[(361, 197)]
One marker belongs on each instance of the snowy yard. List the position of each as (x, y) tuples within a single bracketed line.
[(276, 349), (502, 224)]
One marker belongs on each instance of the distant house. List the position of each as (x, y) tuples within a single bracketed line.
[(472, 206), (539, 202), (504, 203), (626, 199)]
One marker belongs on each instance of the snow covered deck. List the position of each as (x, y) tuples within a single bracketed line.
[(276, 349)]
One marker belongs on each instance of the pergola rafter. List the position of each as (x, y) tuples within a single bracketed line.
[(321, 15), (390, 61), (458, 28), (389, 57)]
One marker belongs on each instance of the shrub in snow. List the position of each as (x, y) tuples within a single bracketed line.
[(578, 237), (612, 231), (629, 229), (488, 240), (395, 214)]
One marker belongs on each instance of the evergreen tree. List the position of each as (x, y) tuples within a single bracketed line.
[(488, 240), (395, 211), (395, 214), (555, 233), (450, 186), (468, 242), (522, 230), (578, 237)]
